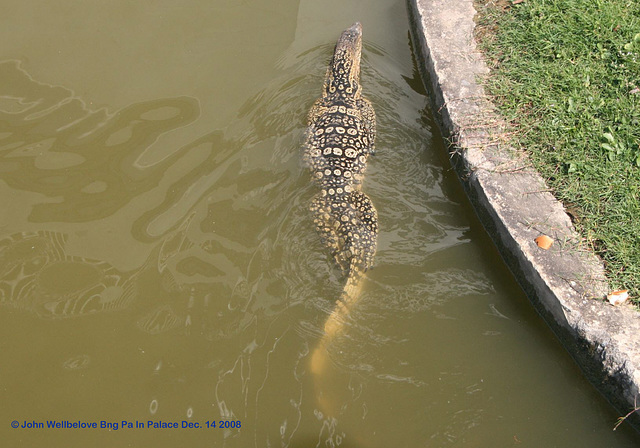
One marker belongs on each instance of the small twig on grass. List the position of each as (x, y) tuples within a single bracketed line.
[(512, 170), (546, 190)]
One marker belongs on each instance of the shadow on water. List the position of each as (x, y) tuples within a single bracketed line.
[(83, 160), (37, 275)]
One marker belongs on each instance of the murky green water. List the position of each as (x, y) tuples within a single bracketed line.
[(158, 262)]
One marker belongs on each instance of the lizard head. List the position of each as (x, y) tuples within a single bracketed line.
[(343, 75)]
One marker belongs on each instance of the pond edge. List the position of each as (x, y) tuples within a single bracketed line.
[(565, 283)]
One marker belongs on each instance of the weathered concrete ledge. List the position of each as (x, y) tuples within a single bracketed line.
[(565, 283)]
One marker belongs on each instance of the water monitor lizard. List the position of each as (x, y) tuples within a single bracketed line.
[(339, 139)]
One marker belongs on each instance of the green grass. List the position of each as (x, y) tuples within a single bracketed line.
[(566, 74)]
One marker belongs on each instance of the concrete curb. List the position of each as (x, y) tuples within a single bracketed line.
[(565, 283)]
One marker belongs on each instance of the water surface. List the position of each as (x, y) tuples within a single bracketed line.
[(158, 261)]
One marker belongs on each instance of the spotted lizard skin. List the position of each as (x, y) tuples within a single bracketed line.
[(339, 139)]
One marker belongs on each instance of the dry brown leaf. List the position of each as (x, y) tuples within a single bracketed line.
[(544, 242), (616, 298)]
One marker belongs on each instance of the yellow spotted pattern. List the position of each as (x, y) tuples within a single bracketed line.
[(339, 139)]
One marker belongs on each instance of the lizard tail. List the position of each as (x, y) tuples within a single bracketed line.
[(338, 317), (328, 395), (336, 322)]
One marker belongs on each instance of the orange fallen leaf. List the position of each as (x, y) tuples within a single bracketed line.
[(618, 297), (544, 242)]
